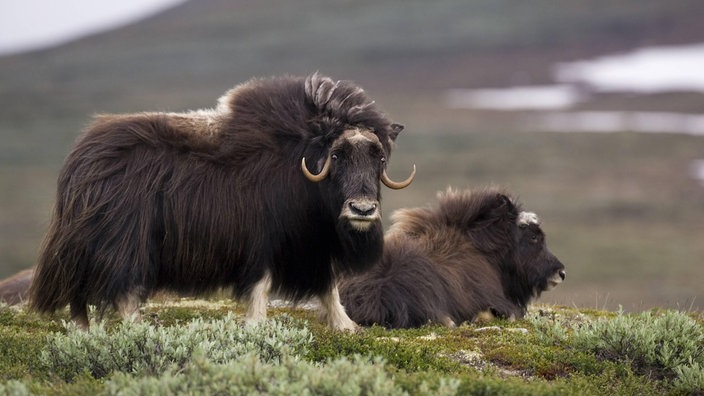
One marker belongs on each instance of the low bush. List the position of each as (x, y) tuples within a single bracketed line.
[(14, 388), (292, 376), (667, 345), (143, 349)]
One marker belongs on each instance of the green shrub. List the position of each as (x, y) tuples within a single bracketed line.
[(549, 331), (143, 349), (690, 377), (250, 375), (667, 345), (660, 342), (14, 388)]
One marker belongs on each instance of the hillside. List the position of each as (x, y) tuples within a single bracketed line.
[(620, 210)]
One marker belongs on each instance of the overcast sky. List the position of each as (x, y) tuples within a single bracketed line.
[(34, 24)]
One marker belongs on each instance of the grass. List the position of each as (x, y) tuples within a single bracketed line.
[(555, 350)]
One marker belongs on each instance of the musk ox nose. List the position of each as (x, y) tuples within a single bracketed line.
[(361, 214), (563, 274), (362, 208)]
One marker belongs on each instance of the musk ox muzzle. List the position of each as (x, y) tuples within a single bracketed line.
[(556, 278), (361, 213)]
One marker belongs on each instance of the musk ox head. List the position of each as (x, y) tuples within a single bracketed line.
[(509, 236), (348, 156), (543, 270)]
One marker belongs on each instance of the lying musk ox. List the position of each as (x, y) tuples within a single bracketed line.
[(477, 251), (15, 289), (275, 190)]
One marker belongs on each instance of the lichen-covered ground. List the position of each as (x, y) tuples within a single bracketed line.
[(191, 346)]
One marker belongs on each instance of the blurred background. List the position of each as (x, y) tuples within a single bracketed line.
[(591, 112)]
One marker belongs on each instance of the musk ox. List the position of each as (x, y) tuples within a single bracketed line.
[(276, 189), (476, 251), (15, 289)]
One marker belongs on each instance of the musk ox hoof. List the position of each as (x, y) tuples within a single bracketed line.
[(339, 322), (448, 322), (249, 322), (350, 327)]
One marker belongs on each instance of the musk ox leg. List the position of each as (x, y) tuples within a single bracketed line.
[(258, 300), (484, 317), (334, 313), (128, 308), (510, 314), (448, 322), (79, 314)]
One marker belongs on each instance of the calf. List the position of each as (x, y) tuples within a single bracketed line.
[(476, 251)]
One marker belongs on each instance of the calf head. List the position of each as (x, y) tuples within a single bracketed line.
[(543, 270), (502, 229)]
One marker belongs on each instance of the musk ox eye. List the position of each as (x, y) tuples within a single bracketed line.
[(383, 159), (334, 156)]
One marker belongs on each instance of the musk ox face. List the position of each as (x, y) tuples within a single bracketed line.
[(353, 141), (542, 268), (357, 162), (350, 178)]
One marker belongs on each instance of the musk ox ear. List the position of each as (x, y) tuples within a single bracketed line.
[(492, 229), (501, 207), (395, 130)]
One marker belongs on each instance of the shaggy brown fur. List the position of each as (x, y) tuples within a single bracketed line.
[(15, 289), (475, 252), (192, 202)]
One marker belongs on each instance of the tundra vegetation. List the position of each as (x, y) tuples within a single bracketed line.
[(203, 347)]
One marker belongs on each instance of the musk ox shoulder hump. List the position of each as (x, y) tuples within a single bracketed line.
[(411, 221)]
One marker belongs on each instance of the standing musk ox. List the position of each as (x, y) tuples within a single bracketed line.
[(477, 251), (275, 190)]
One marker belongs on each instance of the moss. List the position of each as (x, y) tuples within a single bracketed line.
[(82, 385), (19, 352), (21, 341), (400, 351)]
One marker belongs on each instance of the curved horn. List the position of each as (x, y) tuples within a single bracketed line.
[(397, 185), (320, 176)]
